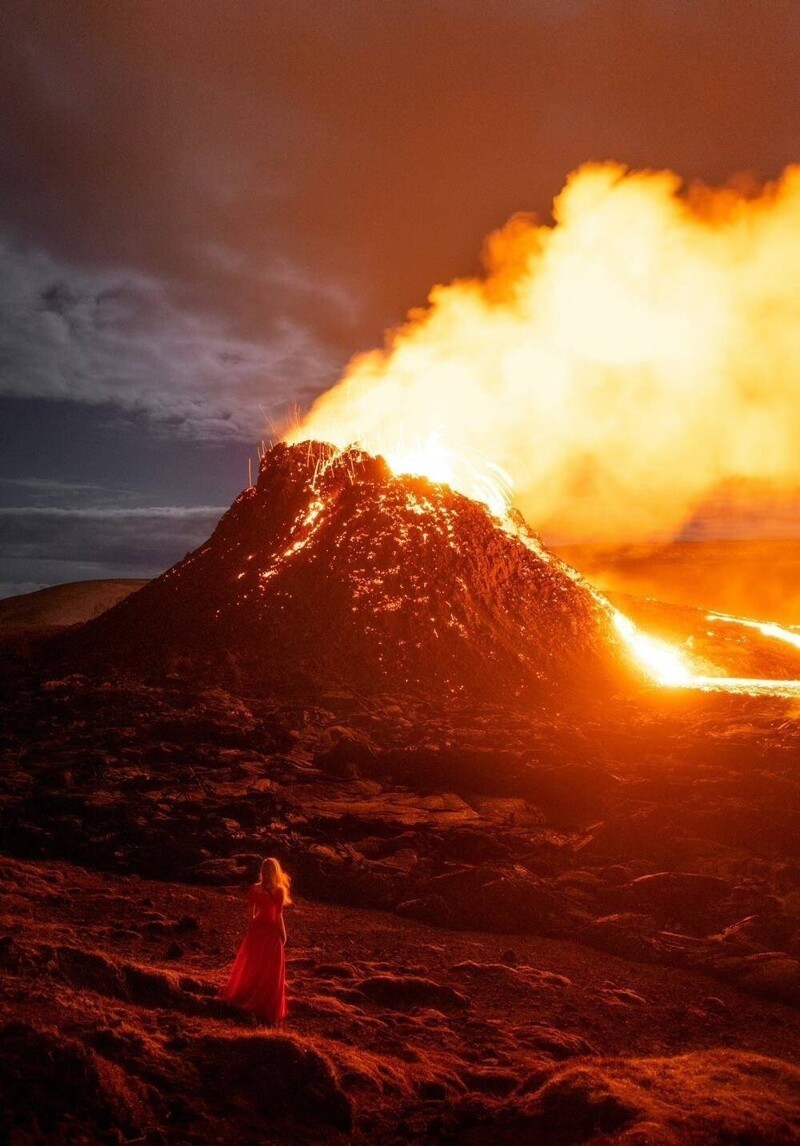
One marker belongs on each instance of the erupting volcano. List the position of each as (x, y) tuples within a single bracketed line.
[(430, 774), (623, 365), (334, 570)]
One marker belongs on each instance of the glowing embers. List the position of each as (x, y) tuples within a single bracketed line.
[(330, 458), (306, 525), (431, 457), (465, 470)]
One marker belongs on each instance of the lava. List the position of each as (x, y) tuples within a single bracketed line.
[(668, 666), (660, 660), (467, 471), (623, 365), (766, 628)]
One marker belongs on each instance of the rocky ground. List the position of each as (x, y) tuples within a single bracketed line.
[(398, 1031), (573, 926)]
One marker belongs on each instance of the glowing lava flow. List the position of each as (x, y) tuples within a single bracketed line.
[(766, 628), (660, 660), (665, 665)]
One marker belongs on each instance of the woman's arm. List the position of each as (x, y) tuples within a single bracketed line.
[(281, 923), (252, 904)]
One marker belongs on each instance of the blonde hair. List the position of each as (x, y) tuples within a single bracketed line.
[(273, 876)]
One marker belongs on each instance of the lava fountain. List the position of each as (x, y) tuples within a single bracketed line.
[(619, 366), (622, 365)]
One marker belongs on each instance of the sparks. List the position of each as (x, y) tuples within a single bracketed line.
[(465, 470), (476, 477)]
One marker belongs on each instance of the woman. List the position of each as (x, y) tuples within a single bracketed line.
[(258, 981)]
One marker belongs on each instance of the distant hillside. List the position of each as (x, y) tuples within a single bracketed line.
[(746, 578), (64, 604)]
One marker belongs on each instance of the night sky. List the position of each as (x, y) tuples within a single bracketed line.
[(207, 206)]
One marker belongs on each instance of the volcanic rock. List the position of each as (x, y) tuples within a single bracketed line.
[(691, 898), (51, 1084), (333, 571), (300, 1078), (391, 1024), (711, 1097), (403, 991)]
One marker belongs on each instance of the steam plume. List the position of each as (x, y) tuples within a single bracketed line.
[(620, 364)]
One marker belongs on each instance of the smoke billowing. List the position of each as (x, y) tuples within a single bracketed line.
[(621, 363)]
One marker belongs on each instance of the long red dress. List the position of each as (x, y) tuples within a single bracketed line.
[(258, 979)]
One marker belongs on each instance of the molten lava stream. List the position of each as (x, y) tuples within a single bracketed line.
[(767, 628), (666, 666)]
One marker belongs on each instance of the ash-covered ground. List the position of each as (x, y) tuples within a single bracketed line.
[(567, 914)]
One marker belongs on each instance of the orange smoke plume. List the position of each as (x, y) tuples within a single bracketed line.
[(618, 365)]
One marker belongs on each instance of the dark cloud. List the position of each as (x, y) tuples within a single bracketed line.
[(73, 446), (119, 337), (37, 488), (206, 206), (367, 147), (97, 542)]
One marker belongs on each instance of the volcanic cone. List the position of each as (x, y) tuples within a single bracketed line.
[(332, 571)]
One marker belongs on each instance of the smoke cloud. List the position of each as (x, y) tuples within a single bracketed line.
[(622, 363)]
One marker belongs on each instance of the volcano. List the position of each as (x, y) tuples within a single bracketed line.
[(332, 571)]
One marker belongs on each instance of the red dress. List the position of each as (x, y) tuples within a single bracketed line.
[(258, 979)]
